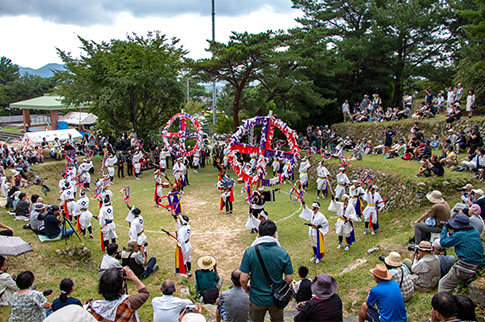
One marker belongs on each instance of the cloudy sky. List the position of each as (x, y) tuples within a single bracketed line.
[(32, 29)]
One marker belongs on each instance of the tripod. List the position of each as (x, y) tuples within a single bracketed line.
[(64, 221)]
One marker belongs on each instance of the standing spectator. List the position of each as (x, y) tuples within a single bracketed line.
[(388, 142), (326, 305), (116, 306), (365, 103), (440, 102), (27, 304), (167, 308), (440, 212), (7, 283), (277, 262), (232, 305), (468, 248), (450, 98), (346, 110), (428, 95), (387, 296), (470, 102), (459, 93), (67, 287)]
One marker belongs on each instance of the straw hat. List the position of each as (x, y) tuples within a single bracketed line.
[(381, 272), (393, 259), (206, 262), (425, 246), (468, 186), (435, 197), (324, 286)]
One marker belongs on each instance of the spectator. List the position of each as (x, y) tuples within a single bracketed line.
[(116, 306), (277, 262), (446, 261), (467, 198), (450, 158), (70, 313), (400, 274), (428, 95), (388, 141), (454, 115), (37, 218), (52, 224), (192, 316), (22, 209), (27, 304), (480, 201), (439, 213), (232, 305), (326, 305), (475, 141), (466, 308), (303, 288), (450, 97), (136, 259), (425, 267), (473, 161), (7, 232), (468, 247), (7, 283), (459, 93), (109, 260), (387, 296), (440, 102), (208, 283), (475, 220), (167, 308), (67, 287), (346, 110), (435, 166), (470, 102), (444, 308)]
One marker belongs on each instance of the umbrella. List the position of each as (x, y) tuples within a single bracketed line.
[(13, 246)]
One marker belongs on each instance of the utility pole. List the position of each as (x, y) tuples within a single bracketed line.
[(214, 94)]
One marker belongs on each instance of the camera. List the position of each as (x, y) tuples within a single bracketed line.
[(191, 308), (382, 258), (412, 247)]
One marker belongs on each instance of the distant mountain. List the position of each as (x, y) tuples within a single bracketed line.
[(45, 71)]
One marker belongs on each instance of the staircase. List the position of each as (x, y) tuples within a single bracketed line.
[(9, 136)]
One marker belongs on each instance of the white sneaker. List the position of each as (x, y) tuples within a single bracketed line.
[(312, 259), (339, 245), (365, 231), (318, 197), (137, 178), (317, 261), (373, 232), (182, 192), (347, 247)]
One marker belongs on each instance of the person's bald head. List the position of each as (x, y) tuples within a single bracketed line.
[(235, 276), (168, 287)]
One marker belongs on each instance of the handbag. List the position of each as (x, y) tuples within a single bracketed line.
[(208, 296), (281, 297)]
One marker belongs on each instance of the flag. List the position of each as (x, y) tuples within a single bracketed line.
[(352, 235), (179, 261), (320, 245)]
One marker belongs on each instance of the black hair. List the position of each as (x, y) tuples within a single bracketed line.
[(466, 308), (267, 228), (136, 211), (235, 277), (112, 248), (106, 199), (303, 271), (25, 280), (22, 194), (184, 217), (2, 260), (168, 287), (445, 304), (111, 284), (66, 287), (34, 198)]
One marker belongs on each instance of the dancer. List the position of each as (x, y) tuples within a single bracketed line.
[(276, 166), (342, 182), (318, 227), (322, 179), (183, 236), (356, 192), (85, 176), (175, 199), (374, 204), (164, 154), (179, 170), (346, 214), (86, 215), (304, 166), (106, 218), (227, 193), (136, 230), (196, 160), (137, 162), (110, 163), (256, 211), (159, 184)]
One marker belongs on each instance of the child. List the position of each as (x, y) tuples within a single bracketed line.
[(303, 288)]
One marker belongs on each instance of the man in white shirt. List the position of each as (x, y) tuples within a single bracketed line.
[(108, 260), (346, 110), (167, 308)]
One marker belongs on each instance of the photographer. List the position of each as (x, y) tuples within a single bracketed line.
[(109, 260), (400, 273), (468, 248), (425, 267), (53, 225), (136, 259), (467, 198), (116, 306)]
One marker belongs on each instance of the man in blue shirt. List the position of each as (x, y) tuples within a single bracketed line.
[(52, 224), (387, 296), (277, 262), (468, 248)]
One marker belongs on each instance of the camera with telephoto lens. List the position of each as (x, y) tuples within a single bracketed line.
[(412, 247), (382, 258), (191, 308)]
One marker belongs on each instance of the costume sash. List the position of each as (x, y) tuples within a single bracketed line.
[(376, 225), (320, 245), (179, 261), (352, 235)]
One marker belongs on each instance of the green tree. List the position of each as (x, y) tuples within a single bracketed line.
[(130, 83), (239, 62)]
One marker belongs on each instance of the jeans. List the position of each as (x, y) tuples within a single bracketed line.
[(68, 232), (149, 268)]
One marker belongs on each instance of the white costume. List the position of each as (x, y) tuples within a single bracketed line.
[(183, 236), (86, 215), (342, 182), (276, 165), (315, 219), (304, 166), (355, 192), (136, 162), (67, 199), (195, 161), (106, 222), (163, 160), (322, 174), (179, 171), (159, 186), (374, 203), (110, 163), (136, 230), (344, 213)]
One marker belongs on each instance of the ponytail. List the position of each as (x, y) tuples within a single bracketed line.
[(66, 288)]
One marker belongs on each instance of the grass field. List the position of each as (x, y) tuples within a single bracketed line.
[(221, 235)]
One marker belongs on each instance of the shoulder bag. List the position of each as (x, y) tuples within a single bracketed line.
[(281, 297)]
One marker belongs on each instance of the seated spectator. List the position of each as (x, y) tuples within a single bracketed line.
[(70, 313), (232, 305), (192, 315), (444, 308), (460, 143), (435, 166), (472, 162), (435, 143), (37, 218), (27, 304), (400, 274), (207, 281), (116, 306), (475, 140), (67, 287), (425, 267), (423, 151), (480, 201), (467, 199), (466, 308), (22, 208), (423, 169), (136, 259), (325, 304), (475, 220), (446, 261), (109, 260), (396, 149), (167, 308), (434, 218), (468, 248), (7, 232), (303, 290), (387, 296), (449, 160), (7, 283), (53, 225)]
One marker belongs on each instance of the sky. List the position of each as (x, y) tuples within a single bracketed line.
[(33, 29)]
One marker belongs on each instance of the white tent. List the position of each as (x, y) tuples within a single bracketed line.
[(63, 135), (78, 118)]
